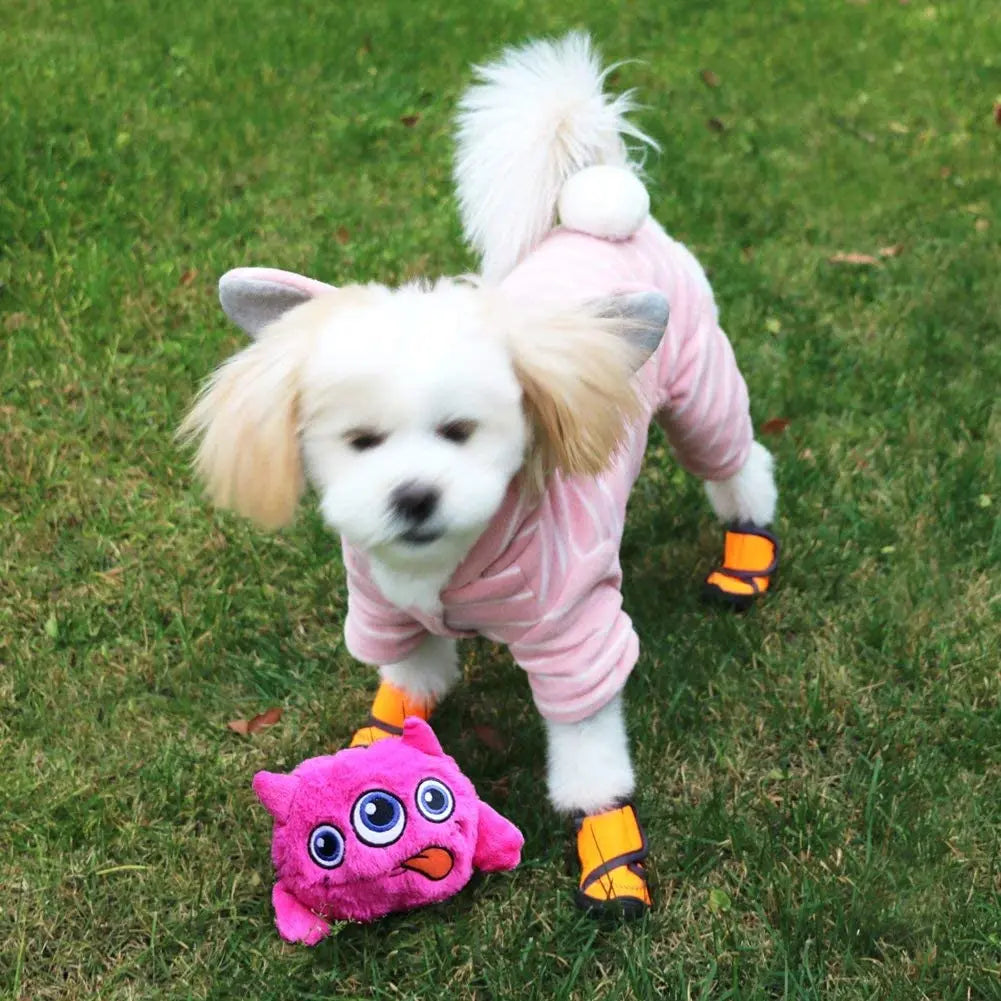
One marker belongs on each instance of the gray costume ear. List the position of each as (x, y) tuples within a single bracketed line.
[(648, 313), (254, 297)]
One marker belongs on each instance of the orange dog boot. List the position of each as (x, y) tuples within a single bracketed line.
[(611, 848), (750, 559), (390, 708)]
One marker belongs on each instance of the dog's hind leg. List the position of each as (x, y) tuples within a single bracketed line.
[(745, 503), (750, 495), (704, 411), (410, 687)]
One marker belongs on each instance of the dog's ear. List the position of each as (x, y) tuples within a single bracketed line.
[(576, 370), (246, 421), (254, 298)]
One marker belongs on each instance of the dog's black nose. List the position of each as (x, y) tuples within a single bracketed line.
[(415, 501)]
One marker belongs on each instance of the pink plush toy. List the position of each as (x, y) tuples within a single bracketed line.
[(376, 829)]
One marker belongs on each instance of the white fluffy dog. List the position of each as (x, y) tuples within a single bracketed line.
[(474, 441)]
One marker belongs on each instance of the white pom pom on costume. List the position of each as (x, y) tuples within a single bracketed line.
[(604, 201), (536, 116)]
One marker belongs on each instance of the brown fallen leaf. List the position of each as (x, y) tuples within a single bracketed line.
[(188, 277), (997, 114), (267, 718), (489, 737), (709, 78), (410, 120), (893, 250), (852, 258), (715, 125), (774, 425), (342, 235)]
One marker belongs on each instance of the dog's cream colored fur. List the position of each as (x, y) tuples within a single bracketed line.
[(575, 369), (246, 420)]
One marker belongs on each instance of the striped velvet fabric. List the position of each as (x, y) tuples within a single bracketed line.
[(545, 577)]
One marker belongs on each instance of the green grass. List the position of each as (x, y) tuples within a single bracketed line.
[(821, 779)]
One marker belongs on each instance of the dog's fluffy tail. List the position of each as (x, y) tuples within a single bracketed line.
[(537, 117)]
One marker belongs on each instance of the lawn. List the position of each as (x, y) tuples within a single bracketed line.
[(821, 778)]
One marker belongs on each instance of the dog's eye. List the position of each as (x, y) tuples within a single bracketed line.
[(362, 439), (457, 432)]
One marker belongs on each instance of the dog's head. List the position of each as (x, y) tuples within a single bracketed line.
[(411, 410)]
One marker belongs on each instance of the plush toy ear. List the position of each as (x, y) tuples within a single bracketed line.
[(418, 735), (498, 841), (255, 297), (576, 370), (275, 791)]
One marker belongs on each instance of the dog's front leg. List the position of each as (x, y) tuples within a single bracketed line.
[(410, 687), (591, 777), (745, 503)]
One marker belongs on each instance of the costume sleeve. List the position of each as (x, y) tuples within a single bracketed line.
[(579, 656), (375, 632), (702, 398)]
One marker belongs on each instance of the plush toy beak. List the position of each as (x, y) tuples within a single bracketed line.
[(435, 863)]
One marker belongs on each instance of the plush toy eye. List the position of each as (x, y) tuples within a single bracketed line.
[(326, 846), (435, 800), (378, 818)]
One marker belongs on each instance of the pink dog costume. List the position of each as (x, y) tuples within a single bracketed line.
[(545, 577)]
